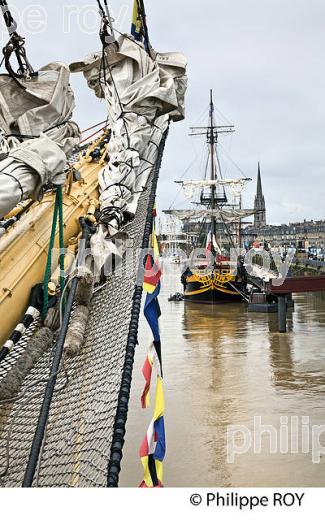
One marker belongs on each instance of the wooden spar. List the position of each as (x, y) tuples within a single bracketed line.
[(24, 246)]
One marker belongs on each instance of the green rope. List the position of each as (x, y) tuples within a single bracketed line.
[(58, 210), (61, 240)]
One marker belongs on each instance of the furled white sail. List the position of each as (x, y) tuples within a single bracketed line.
[(143, 95), (36, 133), (235, 186), (224, 215)]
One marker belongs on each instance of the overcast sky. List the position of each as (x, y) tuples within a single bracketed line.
[(264, 60)]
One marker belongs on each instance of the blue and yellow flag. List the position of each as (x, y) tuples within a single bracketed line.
[(137, 26), (152, 312), (153, 447)]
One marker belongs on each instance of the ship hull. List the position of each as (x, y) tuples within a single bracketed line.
[(210, 290)]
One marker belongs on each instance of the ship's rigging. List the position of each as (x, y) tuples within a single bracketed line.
[(102, 185), (212, 132), (15, 46), (214, 190)]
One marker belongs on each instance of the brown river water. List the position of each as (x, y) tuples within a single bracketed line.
[(223, 367)]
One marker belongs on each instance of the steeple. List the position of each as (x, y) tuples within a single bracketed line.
[(259, 192), (260, 215)]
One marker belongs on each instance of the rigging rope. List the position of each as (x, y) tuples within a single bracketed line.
[(58, 353), (232, 161), (94, 126), (58, 212), (16, 45), (106, 32), (93, 135), (9, 21), (101, 9)]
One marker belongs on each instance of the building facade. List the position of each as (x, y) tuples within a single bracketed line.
[(300, 235)]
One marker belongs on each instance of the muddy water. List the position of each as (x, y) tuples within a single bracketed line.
[(226, 368)]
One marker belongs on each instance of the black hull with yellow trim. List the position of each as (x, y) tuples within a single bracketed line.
[(213, 289)]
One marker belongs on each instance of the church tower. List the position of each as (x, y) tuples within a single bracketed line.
[(259, 205)]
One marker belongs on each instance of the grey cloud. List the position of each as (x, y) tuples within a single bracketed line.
[(265, 61)]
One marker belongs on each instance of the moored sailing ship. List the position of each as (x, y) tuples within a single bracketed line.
[(212, 278)]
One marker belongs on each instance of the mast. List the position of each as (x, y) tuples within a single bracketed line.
[(240, 224), (213, 137), (212, 132)]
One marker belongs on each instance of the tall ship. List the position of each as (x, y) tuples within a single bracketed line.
[(216, 274)]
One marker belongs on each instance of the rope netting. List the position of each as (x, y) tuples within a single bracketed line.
[(82, 421)]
